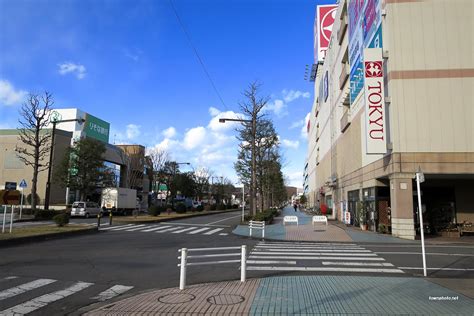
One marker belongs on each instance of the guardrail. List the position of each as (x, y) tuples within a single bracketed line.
[(5, 218), (184, 260), (290, 219), (257, 225)]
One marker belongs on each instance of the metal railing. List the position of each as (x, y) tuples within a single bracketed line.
[(5, 218), (184, 260), (257, 225)]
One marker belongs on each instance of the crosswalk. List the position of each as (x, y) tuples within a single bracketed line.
[(316, 257), (168, 228), (20, 297)]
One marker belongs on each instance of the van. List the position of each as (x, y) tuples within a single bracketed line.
[(86, 209)]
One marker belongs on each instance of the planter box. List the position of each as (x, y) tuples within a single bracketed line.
[(455, 234)]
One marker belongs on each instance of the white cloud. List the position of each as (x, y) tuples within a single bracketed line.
[(133, 131), (213, 111), (215, 125), (278, 107), (10, 96), (295, 178), (168, 145), (290, 143), (76, 69), (170, 132), (297, 124), (194, 137), (304, 128), (292, 95)]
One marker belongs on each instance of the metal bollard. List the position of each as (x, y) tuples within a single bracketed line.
[(263, 231), (250, 235), (243, 265), (11, 220), (4, 218), (110, 218), (182, 275), (98, 221)]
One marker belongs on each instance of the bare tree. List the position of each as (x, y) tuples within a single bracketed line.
[(133, 158), (159, 159), (201, 177), (35, 117)]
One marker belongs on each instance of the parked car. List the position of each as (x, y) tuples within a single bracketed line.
[(196, 204), (86, 209)]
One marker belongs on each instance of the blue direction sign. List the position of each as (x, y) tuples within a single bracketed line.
[(23, 184), (10, 185)]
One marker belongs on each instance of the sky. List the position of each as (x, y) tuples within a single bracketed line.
[(130, 63)]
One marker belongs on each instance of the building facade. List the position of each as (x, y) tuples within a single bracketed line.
[(422, 114)]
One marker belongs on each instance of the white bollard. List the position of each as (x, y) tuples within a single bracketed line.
[(11, 221), (243, 265), (250, 225), (263, 231), (182, 275), (4, 218)]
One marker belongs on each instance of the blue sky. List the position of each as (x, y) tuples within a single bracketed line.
[(129, 63)]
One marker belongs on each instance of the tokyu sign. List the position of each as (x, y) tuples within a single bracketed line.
[(326, 15), (375, 121)]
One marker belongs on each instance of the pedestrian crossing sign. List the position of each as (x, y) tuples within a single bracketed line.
[(23, 184)]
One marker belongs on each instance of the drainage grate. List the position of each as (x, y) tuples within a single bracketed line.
[(225, 299), (176, 298)]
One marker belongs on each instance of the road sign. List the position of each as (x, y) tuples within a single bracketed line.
[(10, 185), (23, 184), (10, 197)]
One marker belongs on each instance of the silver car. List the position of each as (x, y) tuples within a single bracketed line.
[(86, 209)]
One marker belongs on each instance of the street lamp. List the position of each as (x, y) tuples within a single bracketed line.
[(51, 151), (253, 187)]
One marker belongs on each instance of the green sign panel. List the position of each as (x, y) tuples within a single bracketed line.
[(96, 128)]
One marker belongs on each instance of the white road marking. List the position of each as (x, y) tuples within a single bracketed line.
[(138, 227), (200, 225), (428, 253), (324, 269), (42, 301), (223, 234), (316, 250), (370, 264), (417, 246), (112, 227), (155, 228), (442, 269), (311, 248), (325, 253), (124, 228), (112, 292), (198, 231), (168, 229), (184, 230), (225, 219), (213, 231), (270, 262), (22, 288), (317, 258), (11, 277), (299, 244)]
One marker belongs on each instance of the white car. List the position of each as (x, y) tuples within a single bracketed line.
[(86, 209)]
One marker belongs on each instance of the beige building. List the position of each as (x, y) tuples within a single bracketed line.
[(427, 108)]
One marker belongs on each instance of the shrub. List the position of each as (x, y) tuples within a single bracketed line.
[(213, 207), (45, 214), (207, 207), (28, 199), (235, 206), (61, 219), (156, 210), (266, 216), (221, 206), (229, 206), (180, 208), (382, 229), (200, 208)]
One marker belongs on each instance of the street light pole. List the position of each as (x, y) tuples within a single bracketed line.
[(253, 187), (51, 152)]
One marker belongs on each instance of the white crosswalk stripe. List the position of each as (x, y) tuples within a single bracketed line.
[(24, 288), (9, 299), (112, 292), (42, 301), (316, 257), (169, 228)]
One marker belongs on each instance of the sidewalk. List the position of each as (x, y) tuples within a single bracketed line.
[(303, 295)]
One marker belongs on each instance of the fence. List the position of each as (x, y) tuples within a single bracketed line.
[(257, 225), (184, 260)]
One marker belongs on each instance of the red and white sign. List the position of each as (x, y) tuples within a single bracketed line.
[(325, 20), (375, 121)]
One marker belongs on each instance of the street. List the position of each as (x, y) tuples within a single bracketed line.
[(127, 259)]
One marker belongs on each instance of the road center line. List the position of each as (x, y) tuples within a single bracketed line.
[(225, 219)]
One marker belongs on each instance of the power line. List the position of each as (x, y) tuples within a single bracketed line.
[(188, 37)]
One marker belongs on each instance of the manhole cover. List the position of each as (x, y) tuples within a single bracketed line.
[(176, 298), (225, 299)]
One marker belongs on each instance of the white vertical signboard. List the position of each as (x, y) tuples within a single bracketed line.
[(376, 128)]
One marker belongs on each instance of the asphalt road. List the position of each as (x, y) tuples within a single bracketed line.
[(132, 259)]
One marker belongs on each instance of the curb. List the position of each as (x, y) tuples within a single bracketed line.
[(159, 220), (44, 237)]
